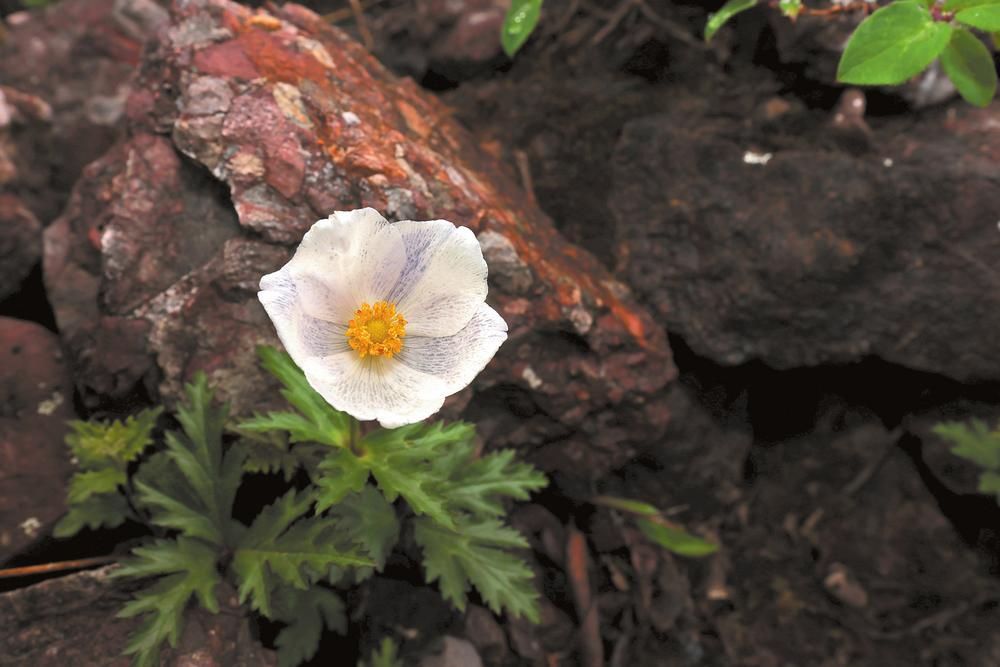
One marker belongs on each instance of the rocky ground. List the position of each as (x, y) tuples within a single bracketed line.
[(735, 291)]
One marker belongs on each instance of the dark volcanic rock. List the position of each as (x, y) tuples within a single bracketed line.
[(24, 122), (800, 253), (36, 397), (77, 56), (153, 269), (72, 621), (20, 243)]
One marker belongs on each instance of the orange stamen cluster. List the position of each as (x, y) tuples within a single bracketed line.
[(376, 330)]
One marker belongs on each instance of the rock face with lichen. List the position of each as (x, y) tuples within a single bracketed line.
[(36, 400), (67, 67), (796, 253), (244, 128), (73, 620)]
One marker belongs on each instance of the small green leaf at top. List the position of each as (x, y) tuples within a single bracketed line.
[(790, 8), (969, 65), (721, 17), (959, 5), (986, 17), (675, 539), (892, 45), (518, 24)]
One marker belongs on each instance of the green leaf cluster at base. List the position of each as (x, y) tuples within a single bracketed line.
[(335, 526)]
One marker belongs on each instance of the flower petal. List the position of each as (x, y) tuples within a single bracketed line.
[(302, 334), (355, 255), (375, 388), (444, 279), (456, 360)]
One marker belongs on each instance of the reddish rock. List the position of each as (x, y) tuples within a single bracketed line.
[(24, 122), (798, 250), (20, 243), (153, 269), (72, 621), (77, 56), (36, 401)]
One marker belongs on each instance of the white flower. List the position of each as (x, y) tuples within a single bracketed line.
[(386, 320)]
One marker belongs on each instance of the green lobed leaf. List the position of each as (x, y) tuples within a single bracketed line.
[(367, 520), (892, 45), (478, 486), (188, 570), (97, 511), (986, 17), (89, 483), (973, 441), (403, 462), (268, 456), (518, 24), (172, 506), (474, 553), (281, 548), (969, 65), (306, 613), (112, 444), (727, 12), (339, 474), (675, 539), (192, 485)]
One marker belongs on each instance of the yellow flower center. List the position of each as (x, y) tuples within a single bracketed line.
[(376, 330)]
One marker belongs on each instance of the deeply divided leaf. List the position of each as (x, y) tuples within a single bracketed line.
[(478, 486), (282, 548), (340, 473), (892, 45), (973, 441), (188, 570), (103, 452), (368, 521), (316, 421), (475, 553), (112, 444), (191, 486), (305, 613), (98, 511)]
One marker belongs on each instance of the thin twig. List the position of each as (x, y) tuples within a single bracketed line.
[(621, 11), (344, 13), (359, 17), (524, 170), (577, 566), (59, 566), (671, 28)]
